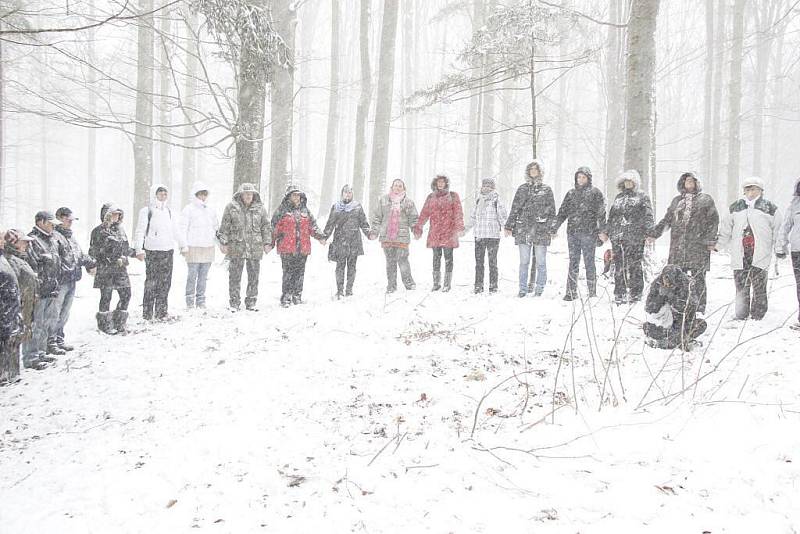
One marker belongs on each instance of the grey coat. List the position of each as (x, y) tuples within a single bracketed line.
[(790, 231), (379, 219)]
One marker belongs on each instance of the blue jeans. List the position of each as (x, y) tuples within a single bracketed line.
[(45, 316), (539, 276), (66, 294), (581, 245), (197, 274)]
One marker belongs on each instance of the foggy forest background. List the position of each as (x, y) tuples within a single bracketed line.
[(102, 98)]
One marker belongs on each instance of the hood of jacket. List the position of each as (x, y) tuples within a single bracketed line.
[(247, 188), (633, 176), (436, 179), (153, 189), (196, 188), (107, 209), (584, 170), (535, 163), (286, 203), (682, 183)]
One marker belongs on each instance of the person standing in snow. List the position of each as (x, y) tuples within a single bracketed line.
[(671, 307), (790, 240), (244, 235), (584, 209), (16, 253), (391, 221), (44, 256), (443, 209), (73, 261), (345, 223), (294, 226), (751, 232), (156, 235), (198, 231), (693, 222), (110, 249), (532, 223), (629, 219), (10, 324), (487, 218)]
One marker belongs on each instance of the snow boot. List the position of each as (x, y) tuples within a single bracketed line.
[(120, 318), (52, 348), (104, 323), (286, 301), (448, 278), (437, 279), (63, 346), (296, 299)]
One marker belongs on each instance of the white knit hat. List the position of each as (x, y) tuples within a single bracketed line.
[(753, 180)]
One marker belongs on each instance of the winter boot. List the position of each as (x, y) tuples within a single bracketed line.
[(52, 348), (64, 346), (437, 278), (296, 299), (120, 318), (592, 286), (286, 301), (104, 323), (448, 278), (478, 289)]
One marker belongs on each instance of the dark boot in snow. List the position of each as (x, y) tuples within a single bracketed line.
[(296, 299), (286, 301), (437, 279), (52, 348), (63, 346), (105, 323), (448, 278), (120, 318)]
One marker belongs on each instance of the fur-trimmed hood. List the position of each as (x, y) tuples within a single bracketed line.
[(539, 164), (107, 209), (247, 188), (584, 170), (682, 182), (633, 176), (436, 179)]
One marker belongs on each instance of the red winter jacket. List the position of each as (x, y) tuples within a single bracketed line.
[(443, 208), (294, 230)]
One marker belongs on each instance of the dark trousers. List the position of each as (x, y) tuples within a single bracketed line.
[(235, 268), (679, 334), (486, 246), (347, 264), (796, 267), (397, 257), (9, 360), (124, 298), (294, 273), (437, 259), (628, 275), (581, 245), (751, 290), (158, 280)]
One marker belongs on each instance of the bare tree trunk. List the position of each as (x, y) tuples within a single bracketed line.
[(487, 139), (716, 126), (44, 195), (362, 112), (250, 124), (2, 130), (532, 86), (475, 107), (91, 142), (189, 154), (282, 106), (307, 36), (165, 73), (383, 107), (409, 70), (143, 138), (777, 101), (615, 91), (505, 183), (331, 144), (640, 90), (767, 13), (735, 102), (708, 102)]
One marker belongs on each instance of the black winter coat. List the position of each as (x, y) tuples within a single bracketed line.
[(9, 302), (694, 223), (45, 257), (584, 209), (532, 217), (630, 217), (28, 287), (681, 299), (72, 257), (110, 248), (346, 228)]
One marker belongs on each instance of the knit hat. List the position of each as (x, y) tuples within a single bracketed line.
[(753, 181), (488, 182)]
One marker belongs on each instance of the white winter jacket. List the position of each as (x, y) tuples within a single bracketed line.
[(790, 233), (199, 223), (764, 219), (163, 233)]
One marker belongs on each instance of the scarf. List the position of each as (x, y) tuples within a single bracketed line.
[(393, 228), (483, 199), (346, 207), (686, 205)]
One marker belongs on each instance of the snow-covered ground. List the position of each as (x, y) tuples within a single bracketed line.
[(416, 412)]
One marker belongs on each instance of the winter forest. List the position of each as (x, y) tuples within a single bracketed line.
[(593, 209)]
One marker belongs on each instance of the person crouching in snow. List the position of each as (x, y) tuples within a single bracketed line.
[(671, 307), (110, 248), (751, 232), (488, 217), (629, 220), (347, 218), (391, 220), (293, 228), (790, 240), (443, 209)]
